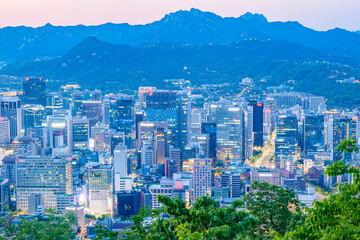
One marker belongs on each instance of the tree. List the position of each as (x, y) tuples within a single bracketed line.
[(203, 220), (276, 209), (42, 228), (337, 217)]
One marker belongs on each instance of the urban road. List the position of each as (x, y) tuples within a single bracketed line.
[(267, 152)]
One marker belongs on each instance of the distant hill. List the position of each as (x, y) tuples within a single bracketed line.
[(184, 27), (97, 64)]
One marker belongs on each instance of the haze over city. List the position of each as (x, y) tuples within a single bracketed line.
[(320, 14)]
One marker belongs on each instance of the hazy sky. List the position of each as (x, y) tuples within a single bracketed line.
[(318, 14)]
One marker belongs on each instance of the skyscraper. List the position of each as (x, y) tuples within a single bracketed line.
[(53, 101), (122, 117), (229, 131), (4, 131), (100, 188), (210, 128), (342, 129), (286, 144), (10, 107), (183, 115), (120, 165), (161, 106), (34, 91), (93, 111), (201, 177), (34, 115), (78, 133), (258, 119), (313, 133)]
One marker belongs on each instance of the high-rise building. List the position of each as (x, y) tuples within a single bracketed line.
[(58, 128), (34, 115), (93, 111), (147, 154), (313, 133), (161, 106), (4, 130), (286, 143), (195, 123), (159, 145), (34, 91), (170, 167), (120, 165), (100, 188), (8, 169), (77, 99), (204, 141), (117, 138), (78, 133), (247, 134), (48, 176), (175, 154), (4, 194), (258, 119), (342, 129), (27, 145), (229, 131), (285, 100), (53, 101), (165, 187), (210, 128), (146, 130), (143, 91), (234, 183), (128, 203), (41, 133), (10, 107), (201, 177), (183, 116), (122, 117), (139, 117)]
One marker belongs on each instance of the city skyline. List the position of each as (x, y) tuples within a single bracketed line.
[(319, 15)]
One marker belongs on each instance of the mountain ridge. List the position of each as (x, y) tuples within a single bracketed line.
[(188, 27)]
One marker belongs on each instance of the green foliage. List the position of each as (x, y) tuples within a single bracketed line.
[(104, 233), (203, 220), (276, 208), (336, 217), (52, 227)]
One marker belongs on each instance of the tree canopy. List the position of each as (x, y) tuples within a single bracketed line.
[(337, 217), (276, 209), (52, 227)]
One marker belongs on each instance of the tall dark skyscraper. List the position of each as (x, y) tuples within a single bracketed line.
[(342, 130), (34, 91), (122, 117), (258, 119), (210, 128), (313, 133), (182, 119)]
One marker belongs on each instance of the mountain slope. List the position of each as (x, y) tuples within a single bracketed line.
[(187, 27)]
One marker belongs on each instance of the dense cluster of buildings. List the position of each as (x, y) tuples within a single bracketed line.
[(114, 153)]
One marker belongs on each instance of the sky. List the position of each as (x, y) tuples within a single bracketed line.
[(316, 14)]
